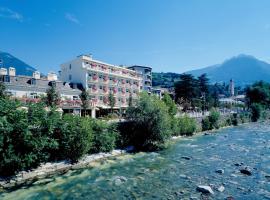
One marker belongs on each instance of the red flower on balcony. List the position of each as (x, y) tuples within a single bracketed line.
[(95, 77), (94, 88), (124, 72), (114, 90), (105, 78), (105, 89), (123, 91), (114, 80), (105, 100), (123, 81)]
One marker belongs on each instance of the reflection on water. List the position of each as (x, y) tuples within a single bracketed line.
[(173, 173)]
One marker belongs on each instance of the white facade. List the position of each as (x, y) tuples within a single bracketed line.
[(100, 79), (146, 74)]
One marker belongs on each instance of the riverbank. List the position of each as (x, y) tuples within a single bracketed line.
[(50, 169), (47, 170), (215, 160)]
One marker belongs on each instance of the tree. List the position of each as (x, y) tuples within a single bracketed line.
[(256, 111), (75, 137), (149, 123), (187, 89), (111, 101), (2, 90), (85, 99), (259, 92), (53, 98), (170, 104), (130, 100), (203, 83)]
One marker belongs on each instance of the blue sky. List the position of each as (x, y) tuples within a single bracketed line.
[(172, 35)]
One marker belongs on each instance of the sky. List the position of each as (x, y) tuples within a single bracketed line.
[(168, 35)]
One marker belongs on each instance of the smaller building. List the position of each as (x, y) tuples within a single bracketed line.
[(146, 74), (32, 88)]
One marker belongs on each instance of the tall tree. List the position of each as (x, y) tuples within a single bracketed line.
[(53, 98), (203, 84), (187, 89), (130, 100), (85, 99), (2, 90), (111, 101), (172, 109)]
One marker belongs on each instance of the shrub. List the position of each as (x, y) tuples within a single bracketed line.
[(172, 109), (186, 125), (25, 137), (104, 137), (151, 123), (256, 111), (213, 119), (74, 136), (234, 119), (206, 124)]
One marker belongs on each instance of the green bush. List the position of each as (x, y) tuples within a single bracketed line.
[(104, 137), (25, 137), (150, 123), (256, 111), (213, 119), (234, 119), (186, 126), (74, 136), (206, 124)]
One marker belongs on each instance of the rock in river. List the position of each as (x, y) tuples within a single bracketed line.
[(221, 188), (186, 157), (246, 171), (204, 189), (118, 180), (220, 171)]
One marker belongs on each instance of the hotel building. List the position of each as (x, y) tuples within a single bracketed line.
[(100, 79)]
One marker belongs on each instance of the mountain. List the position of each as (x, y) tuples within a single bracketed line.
[(243, 69), (21, 67)]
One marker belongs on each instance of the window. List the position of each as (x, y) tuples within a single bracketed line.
[(100, 87), (33, 81), (119, 89), (70, 77), (75, 98), (33, 95), (101, 98), (127, 90), (5, 78), (69, 66)]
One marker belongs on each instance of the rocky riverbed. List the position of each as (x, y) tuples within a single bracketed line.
[(232, 163)]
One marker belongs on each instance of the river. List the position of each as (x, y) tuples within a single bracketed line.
[(173, 173)]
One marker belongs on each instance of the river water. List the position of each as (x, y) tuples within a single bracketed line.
[(173, 173)]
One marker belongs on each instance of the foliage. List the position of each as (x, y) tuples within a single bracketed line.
[(256, 111), (172, 109), (85, 99), (2, 90), (259, 92), (186, 89), (74, 136), (185, 126), (111, 101), (234, 119), (213, 119), (25, 137), (52, 98), (104, 137), (149, 122), (206, 124), (130, 100)]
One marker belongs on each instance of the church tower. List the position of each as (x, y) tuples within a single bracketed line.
[(231, 88)]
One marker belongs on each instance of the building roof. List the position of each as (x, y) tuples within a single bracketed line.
[(24, 83)]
